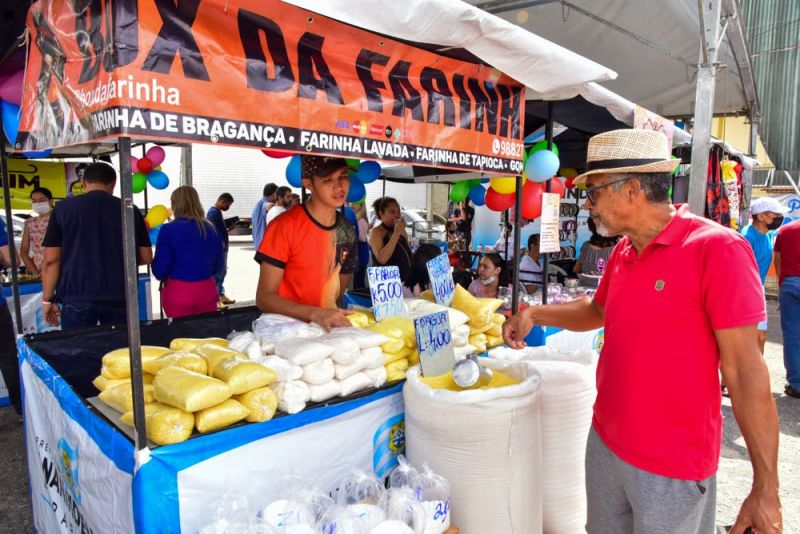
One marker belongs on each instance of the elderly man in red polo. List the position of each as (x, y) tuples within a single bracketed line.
[(680, 299)]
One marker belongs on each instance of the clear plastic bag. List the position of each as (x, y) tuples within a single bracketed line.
[(341, 520), (403, 475), (239, 341), (401, 508), (359, 487), (299, 509), (433, 492)]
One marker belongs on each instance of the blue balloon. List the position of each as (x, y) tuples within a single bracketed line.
[(357, 190), (294, 173), (368, 172), (542, 165), (158, 179), (153, 233), (485, 180), (10, 121), (478, 195), (40, 154)]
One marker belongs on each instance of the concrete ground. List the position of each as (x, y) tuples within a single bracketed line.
[(734, 477)]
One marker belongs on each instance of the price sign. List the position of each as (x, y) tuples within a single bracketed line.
[(386, 291), (549, 240), (441, 275), (435, 343)]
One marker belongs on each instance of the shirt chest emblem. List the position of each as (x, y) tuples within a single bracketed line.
[(659, 285)]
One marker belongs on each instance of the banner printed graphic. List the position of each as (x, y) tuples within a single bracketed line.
[(260, 73)]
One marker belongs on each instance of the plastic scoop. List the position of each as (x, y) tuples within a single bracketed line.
[(468, 373)]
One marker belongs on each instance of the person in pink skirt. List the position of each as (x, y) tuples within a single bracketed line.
[(188, 253)]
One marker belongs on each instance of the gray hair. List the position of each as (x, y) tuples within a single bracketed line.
[(655, 185)]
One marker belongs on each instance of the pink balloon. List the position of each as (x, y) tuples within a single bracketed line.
[(134, 163), (11, 88), (156, 155)]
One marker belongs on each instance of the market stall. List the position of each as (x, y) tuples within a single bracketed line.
[(393, 106)]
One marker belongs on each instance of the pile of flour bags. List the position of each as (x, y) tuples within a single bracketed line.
[(416, 502)]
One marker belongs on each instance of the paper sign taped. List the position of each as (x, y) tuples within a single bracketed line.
[(441, 276), (435, 343), (386, 291)]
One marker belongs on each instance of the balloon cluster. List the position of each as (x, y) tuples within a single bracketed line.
[(361, 173), (471, 189), (540, 164), (157, 215), (10, 101), (148, 170)]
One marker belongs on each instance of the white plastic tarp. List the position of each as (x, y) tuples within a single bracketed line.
[(547, 69)]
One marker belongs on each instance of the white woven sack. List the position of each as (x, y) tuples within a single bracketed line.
[(567, 396), (486, 444)]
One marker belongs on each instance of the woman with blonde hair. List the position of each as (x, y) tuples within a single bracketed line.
[(188, 253)]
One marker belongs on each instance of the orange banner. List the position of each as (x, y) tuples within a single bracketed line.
[(260, 73)]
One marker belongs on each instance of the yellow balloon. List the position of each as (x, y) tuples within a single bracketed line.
[(157, 215), (568, 172), (503, 185)]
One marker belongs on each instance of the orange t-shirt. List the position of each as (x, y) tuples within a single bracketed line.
[(306, 251)]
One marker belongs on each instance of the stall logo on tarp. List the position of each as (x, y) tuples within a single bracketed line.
[(62, 487), (388, 442)]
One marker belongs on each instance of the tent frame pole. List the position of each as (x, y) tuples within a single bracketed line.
[(548, 133), (130, 254), (704, 103), (12, 247)]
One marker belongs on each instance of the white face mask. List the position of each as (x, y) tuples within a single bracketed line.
[(488, 281), (40, 207)]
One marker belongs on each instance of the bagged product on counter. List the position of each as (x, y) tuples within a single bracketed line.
[(341, 520), (254, 351), (421, 307), (403, 475), (359, 319), (496, 330), (394, 356), (377, 376), (261, 404), (220, 416), (302, 351), (398, 366), (492, 341), (319, 372), (491, 435), (243, 375), (462, 351), (292, 396), (354, 383), (239, 341), (372, 359), (284, 369), (120, 397), (214, 354), (117, 363), (102, 383), (189, 343), (165, 424), (345, 349), (343, 371), (290, 515), (365, 337), (406, 327), (359, 486), (189, 391), (181, 358), (323, 392), (413, 358)]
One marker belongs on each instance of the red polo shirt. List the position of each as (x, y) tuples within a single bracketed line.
[(788, 245), (658, 395)]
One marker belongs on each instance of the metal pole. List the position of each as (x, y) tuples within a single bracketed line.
[(709, 12), (517, 218), (384, 189), (130, 253), (12, 247), (747, 175), (187, 177), (548, 133)]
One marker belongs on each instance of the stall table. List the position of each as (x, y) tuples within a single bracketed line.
[(86, 474)]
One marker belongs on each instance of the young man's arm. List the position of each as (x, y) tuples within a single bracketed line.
[(269, 301)]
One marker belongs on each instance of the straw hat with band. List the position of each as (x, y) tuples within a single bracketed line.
[(627, 151)]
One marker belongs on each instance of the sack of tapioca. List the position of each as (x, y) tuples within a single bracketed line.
[(188, 390), (102, 383), (180, 358), (117, 363), (220, 416), (189, 343), (243, 376), (120, 397), (214, 354), (261, 404), (165, 424)]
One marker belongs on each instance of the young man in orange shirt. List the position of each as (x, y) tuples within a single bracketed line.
[(299, 255)]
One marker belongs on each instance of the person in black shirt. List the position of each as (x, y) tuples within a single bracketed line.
[(389, 241), (83, 258)]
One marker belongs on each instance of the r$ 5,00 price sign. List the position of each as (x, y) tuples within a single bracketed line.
[(386, 291), (435, 343), (441, 275)]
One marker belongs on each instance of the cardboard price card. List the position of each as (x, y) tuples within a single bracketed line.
[(441, 275), (435, 343), (386, 291)]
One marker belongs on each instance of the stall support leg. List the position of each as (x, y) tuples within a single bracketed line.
[(517, 219), (548, 133), (12, 247), (130, 253), (187, 178), (704, 104)]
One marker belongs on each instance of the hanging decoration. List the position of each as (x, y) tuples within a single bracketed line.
[(504, 185), (541, 165), (532, 200), (156, 217), (557, 186), (148, 170), (497, 201)]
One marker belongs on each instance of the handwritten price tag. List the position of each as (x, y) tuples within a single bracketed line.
[(387, 292), (435, 343), (441, 275)]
